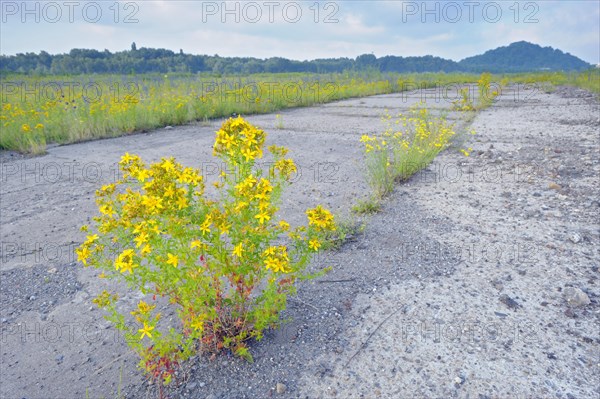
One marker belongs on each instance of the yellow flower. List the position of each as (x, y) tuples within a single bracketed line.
[(181, 202), (25, 128), (146, 331), (238, 250), (224, 227), (91, 238), (83, 253), (39, 126), (172, 259), (270, 251), (124, 261), (314, 244), (153, 203), (104, 299), (144, 308), (196, 244), (285, 226), (167, 165), (141, 239), (197, 324), (227, 140), (262, 217), (248, 154), (142, 175), (125, 159), (240, 205), (107, 210), (169, 192), (205, 227), (146, 250)]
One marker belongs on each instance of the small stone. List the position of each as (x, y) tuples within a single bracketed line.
[(191, 386), (168, 127), (59, 358), (575, 297), (52, 271), (458, 381), (554, 186), (32, 298), (280, 388), (575, 238), (508, 301)]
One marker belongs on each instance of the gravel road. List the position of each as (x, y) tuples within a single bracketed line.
[(478, 279)]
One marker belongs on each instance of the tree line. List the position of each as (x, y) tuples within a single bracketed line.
[(151, 60)]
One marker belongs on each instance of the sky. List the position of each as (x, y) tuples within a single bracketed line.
[(302, 30)]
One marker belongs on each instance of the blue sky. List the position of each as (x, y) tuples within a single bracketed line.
[(302, 29)]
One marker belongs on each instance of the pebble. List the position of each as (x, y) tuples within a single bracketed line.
[(508, 301), (575, 238), (280, 388), (575, 297), (553, 186)]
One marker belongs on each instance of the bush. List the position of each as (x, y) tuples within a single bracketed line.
[(225, 265)]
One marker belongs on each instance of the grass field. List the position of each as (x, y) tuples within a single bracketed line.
[(36, 111)]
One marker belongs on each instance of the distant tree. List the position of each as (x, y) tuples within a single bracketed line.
[(133, 46)]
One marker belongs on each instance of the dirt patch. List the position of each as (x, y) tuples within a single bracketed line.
[(39, 289)]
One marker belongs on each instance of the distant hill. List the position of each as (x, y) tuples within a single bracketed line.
[(523, 57), (517, 57)]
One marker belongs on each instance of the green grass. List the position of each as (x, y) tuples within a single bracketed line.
[(346, 229), (547, 81), (367, 206)]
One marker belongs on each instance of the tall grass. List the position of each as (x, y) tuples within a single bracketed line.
[(588, 80), (66, 109)]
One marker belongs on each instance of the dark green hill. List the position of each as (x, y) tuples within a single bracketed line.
[(523, 57)]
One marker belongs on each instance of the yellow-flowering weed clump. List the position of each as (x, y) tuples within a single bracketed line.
[(409, 143), (226, 266)]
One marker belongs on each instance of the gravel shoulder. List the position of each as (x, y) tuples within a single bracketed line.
[(479, 278)]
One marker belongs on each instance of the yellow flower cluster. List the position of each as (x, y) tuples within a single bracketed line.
[(321, 218), (239, 140), (167, 189), (277, 259)]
